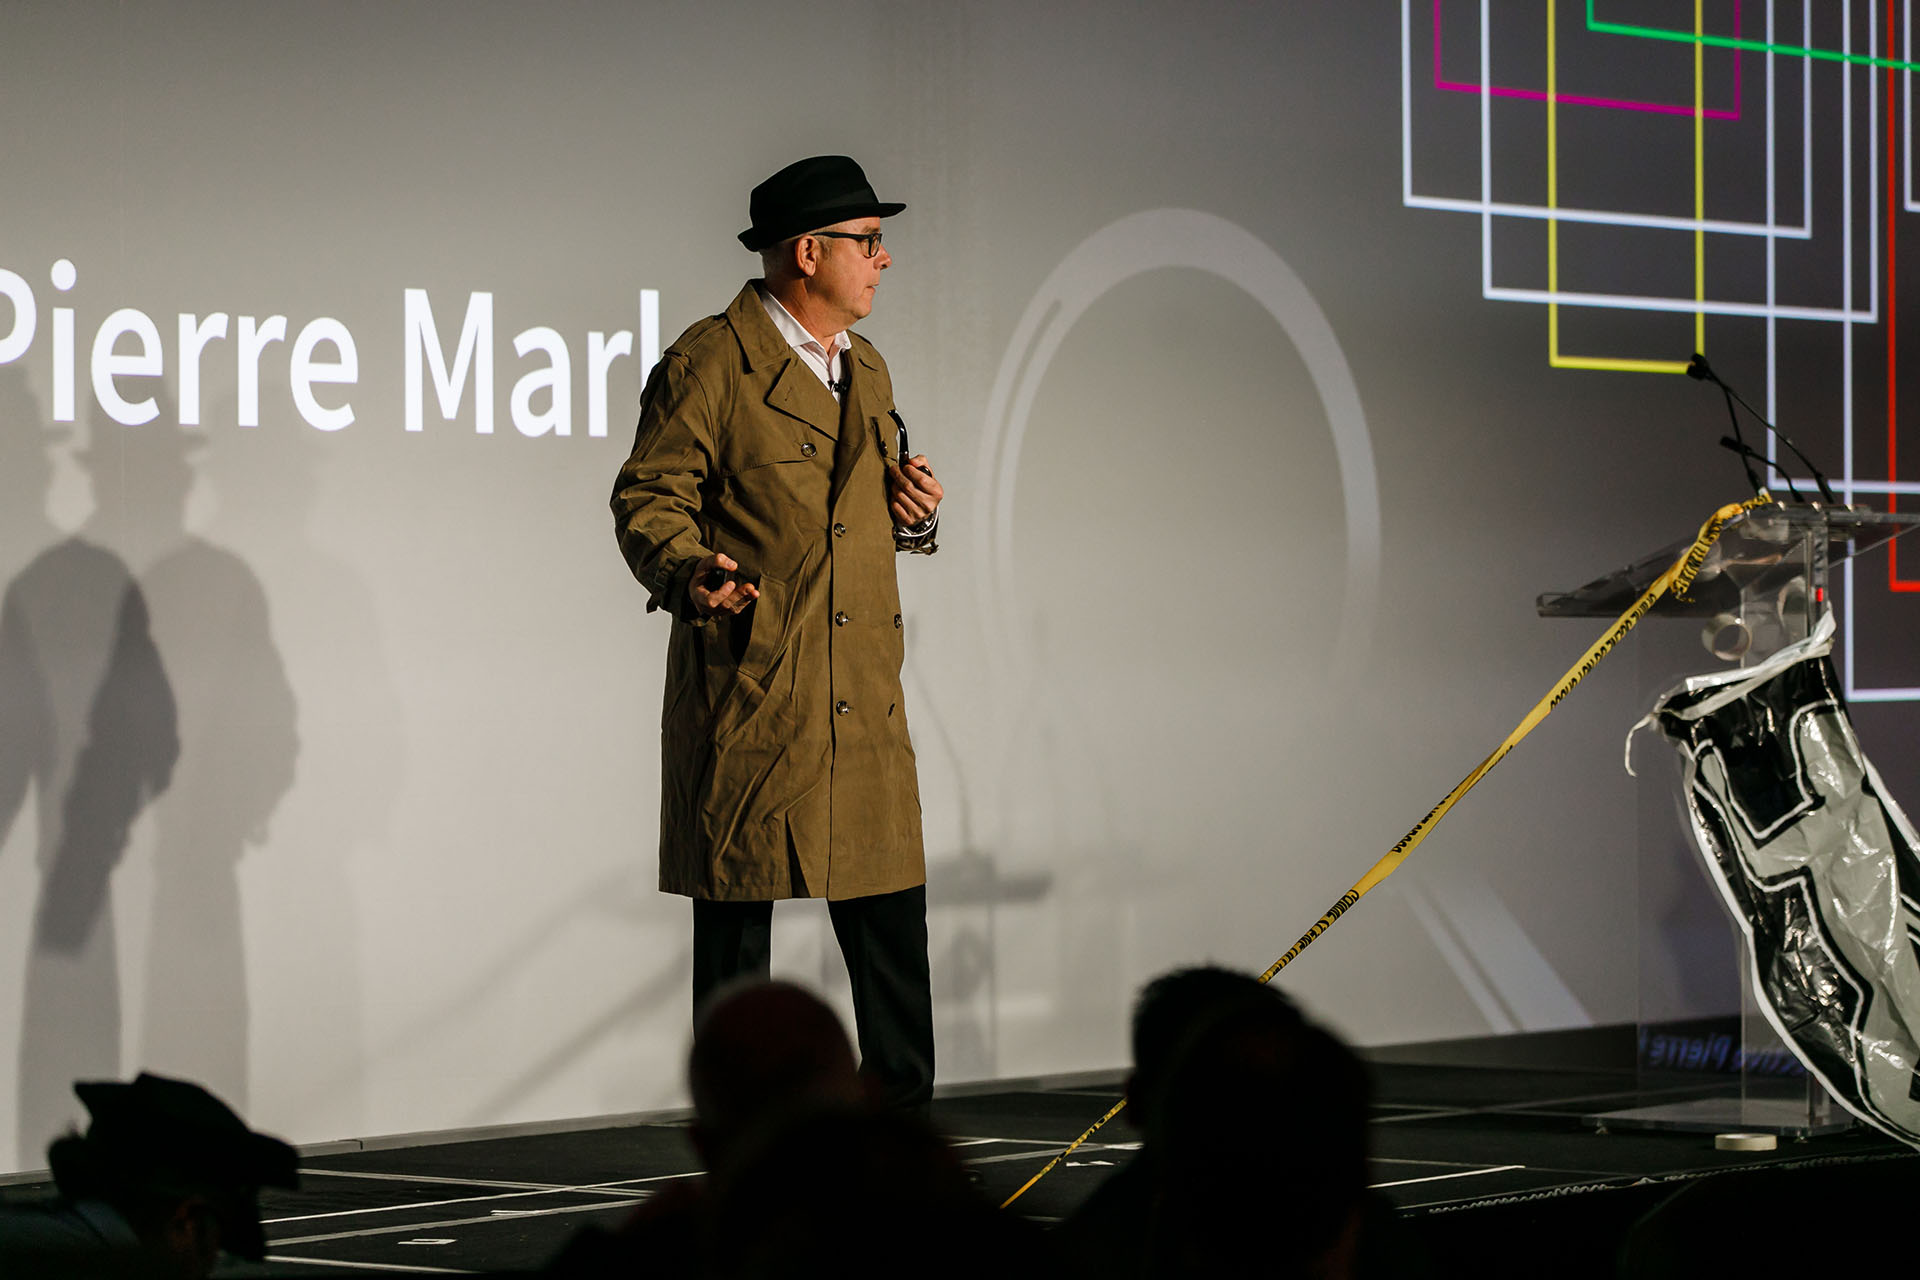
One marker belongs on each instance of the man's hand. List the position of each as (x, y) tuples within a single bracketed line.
[(912, 492), (729, 597)]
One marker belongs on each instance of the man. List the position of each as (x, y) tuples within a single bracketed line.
[(1254, 1128), (766, 1056), (165, 1178), (761, 508), (763, 1053)]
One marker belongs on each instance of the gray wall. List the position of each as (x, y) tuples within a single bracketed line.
[(329, 761)]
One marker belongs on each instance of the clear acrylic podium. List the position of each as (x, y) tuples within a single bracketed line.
[(1762, 588)]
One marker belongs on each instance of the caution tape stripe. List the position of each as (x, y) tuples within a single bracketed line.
[(1676, 579)]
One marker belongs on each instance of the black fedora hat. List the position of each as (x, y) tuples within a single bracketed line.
[(808, 194), (164, 1133)]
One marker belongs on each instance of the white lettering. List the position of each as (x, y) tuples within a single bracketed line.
[(108, 364), (557, 378), (254, 340), (63, 364), (193, 340), (649, 332), (602, 352), (306, 371), (476, 347), (323, 352), (26, 317), (65, 275)]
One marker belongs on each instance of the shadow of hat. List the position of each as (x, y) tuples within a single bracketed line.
[(28, 443), (173, 1132), (152, 446), (18, 407)]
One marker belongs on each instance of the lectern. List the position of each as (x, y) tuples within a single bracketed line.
[(1762, 588)]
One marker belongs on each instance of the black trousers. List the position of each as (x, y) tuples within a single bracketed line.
[(883, 939)]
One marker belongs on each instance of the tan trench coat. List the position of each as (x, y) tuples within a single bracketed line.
[(786, 770)]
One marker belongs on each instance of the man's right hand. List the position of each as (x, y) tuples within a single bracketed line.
[(730, 597)]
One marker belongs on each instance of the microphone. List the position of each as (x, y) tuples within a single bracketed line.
[(1700, 371), (1746, 450)]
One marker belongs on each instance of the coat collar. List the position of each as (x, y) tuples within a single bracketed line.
[(795, 391), (856, 405)]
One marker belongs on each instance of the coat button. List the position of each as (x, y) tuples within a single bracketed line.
[(839, 530), (841, 708), (807, 450), (896, 622), (840, 618)]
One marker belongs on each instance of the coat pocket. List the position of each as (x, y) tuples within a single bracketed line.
[(765, 622), (753, 642)]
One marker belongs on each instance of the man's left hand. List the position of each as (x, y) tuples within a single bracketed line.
[(912, 492)]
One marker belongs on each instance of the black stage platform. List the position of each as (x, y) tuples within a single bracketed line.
[(1493, 1169)]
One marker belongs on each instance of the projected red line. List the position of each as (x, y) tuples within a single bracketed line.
[(1611, 104), (1894, 581)]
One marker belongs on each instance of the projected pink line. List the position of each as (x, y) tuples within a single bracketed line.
[(1611, 104)]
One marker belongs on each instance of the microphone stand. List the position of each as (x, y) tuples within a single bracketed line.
[(1699, 370), (1739, 441), (1745, 450)]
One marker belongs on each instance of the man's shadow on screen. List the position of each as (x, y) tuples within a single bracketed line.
[(91, 738), (274, 497), (26, 480), (238, 745), (967, 892)]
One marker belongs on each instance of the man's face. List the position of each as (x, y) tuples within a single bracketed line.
[(846, 278)]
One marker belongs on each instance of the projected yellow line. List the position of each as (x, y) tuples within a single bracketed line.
[(1621, 364)]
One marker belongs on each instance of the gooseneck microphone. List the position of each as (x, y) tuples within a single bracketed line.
[(1700, 371), (1745, 450)]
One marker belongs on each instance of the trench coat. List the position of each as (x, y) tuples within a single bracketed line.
[(786, 769)]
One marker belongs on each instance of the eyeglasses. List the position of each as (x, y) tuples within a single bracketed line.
[(872, 238)]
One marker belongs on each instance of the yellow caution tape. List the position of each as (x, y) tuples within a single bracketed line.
[(1676, 579)]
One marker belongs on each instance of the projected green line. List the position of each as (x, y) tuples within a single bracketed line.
[(1735, 42)]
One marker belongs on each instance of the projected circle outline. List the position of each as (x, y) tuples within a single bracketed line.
[(1139, 243)]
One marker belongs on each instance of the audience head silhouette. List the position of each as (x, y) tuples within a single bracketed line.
[(764, 1052), (1255, 1128), (847, 1192), (177, 1165), (808, 1177), (1177, 1008)]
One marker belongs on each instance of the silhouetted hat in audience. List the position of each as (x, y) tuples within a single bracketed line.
[(163, 1133)]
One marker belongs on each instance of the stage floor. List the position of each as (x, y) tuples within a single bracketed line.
[(1449, 1144)]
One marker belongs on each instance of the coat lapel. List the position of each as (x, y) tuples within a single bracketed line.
[(854, 430), (861, 412), (797, 392), (794, 391)]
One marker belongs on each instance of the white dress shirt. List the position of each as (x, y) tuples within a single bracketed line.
[(828, 362), (825, 361)]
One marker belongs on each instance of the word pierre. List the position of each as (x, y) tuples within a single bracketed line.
[(1699, 1052), (127, 348)]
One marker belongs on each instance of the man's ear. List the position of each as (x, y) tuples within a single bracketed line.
[(702, 1140), (191, 1235), (1135, 1116), (806, 255)]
